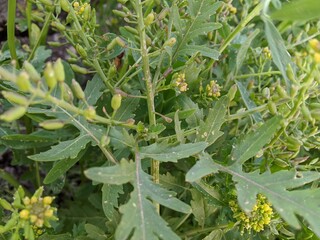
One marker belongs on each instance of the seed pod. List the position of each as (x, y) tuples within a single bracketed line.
[(37, 18), (163, 14), (72, 60), (81, 51), (149, 19), (131, 30), (120, 42), (210, 35), (79, 69), (294, 90), (6, 75), (15, 98), (170, 42), (65, 5), (59, 70), (58, 26), (293, 141), (314, 105), (290, 73), (23, 82), (281, 163), (34, 75), (112, 44), (112, 71), (148, 40), (78, 90), (306, 113), (52, 124), (90, 113), (35, 34), (71, 53), (46, 2), (280, 90), (87, 12), (119, 13), (67, 93), (93, 20), (13, 114), (232, 92), (49, 76), (266, 93), (116, 102), (272, 108), (315, 113), (122, 1), (6, 205)]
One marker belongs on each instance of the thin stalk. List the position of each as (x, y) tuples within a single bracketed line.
[(258, 74), (155, 165), (12, 4), (28, 16), (255, 12)]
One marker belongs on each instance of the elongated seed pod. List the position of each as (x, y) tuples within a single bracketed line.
[(6, 75), (13, 114), (23, 82), (15, 98), (82, 52), (52, 124), (79, 69), (116, 102), (78, 90), (65, 5), (49, 76), (34, 75), (59, 70)]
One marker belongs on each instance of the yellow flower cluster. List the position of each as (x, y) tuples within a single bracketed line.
[(232, 9), (213, 89), (266, 52), (80, 7), (180, 82), (38, 211), (257, 219), (315, 45)]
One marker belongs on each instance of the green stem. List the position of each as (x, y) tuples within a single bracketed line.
[(155, 165), (28, 17), (255, 12), (258, 74), (11, 30), (203, 230)]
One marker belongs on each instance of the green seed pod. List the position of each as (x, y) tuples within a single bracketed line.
[(77, 90), (294, 90), (314, 105), (281, 163), (13, 114), (72, 60), (131, 30), (23, 82), (272, 107), (35, 34), (37, 18), (15, 98), (34, 75), (79, 69), (71, 53), (59, 70), (49, 76), (210, 35), (46, 2), (6, 205), (90, 113), (293, 141), (116, 102), (148, 41), (93, 20), (170, 42), (119, 13), (58, 26), (81, 51), (315, 113), (105, 140), (280, 90), (6, 75), (122, 1), (65, 5), (112, 71), (290, 73), (149, 19), (163, 14), (52, 124), (112, 44), (69, 18), (67, 93), (55, 44), (87, 12), (306, 113), (266, 93), (232, 92), (120, 42)]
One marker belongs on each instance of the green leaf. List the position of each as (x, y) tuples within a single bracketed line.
[(63, 150), (210, 193), (280, 55), (128, 106), (253, 142), (185, 103), (95, 232), (244, 49), (23, 141), (200, 11), (62, 167), (39, 57), (248, 102), (209, 131), (277, 187), (93, 90), (139, 219), (298, 10), (164, 153), (110, 195), (121, 139)]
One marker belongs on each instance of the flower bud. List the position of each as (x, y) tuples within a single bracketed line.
[(33, 200), (90, 113), (78, 90), (52, 124), (59, 70), (170, 42), (116, 102), (65, 5), (79, 69), (39, 223), (47, 200), (48, 213), (15, 98), (34, 75), (26, 201), (6, 205), (316, 57), (49, 76), (24, 214), (23, 82), (149, 19), (82, 52), (13, 114), (33, 218), (314, 44)]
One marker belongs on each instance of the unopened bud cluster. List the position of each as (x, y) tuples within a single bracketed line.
[(213, 89), (315, 46), (257, 219), (179, 80)]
